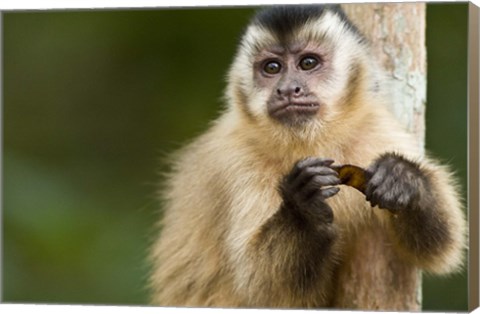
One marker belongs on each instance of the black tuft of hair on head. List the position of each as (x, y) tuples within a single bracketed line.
[(285, 19)]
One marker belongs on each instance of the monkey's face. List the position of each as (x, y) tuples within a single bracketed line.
[(293, 77), (297, 76)]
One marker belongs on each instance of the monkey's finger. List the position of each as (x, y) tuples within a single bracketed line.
[(315, 161), (310, 162), (311, 195), (404, 201), (373, 197), (317, 183), (376, 180), (386, 188), (305, 177), (389, 200), (386, 195), (403, 197), (329, 192)]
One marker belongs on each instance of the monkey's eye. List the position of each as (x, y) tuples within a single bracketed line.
[(272, 67), (308, 63)]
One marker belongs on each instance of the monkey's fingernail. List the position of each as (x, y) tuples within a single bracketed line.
[(328, 162)]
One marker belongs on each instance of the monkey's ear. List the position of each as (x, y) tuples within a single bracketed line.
[(352, 176)]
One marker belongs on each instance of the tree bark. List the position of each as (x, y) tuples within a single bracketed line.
[(396, 32), (397, 35)]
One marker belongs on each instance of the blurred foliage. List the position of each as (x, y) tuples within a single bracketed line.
[(95, 100), (446, 125)]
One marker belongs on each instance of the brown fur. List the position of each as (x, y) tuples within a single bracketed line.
[(225, 243)]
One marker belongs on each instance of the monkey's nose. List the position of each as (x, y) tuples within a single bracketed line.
[(290, 91)]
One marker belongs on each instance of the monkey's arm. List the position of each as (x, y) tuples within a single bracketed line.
[(292, 253), (426, 217)]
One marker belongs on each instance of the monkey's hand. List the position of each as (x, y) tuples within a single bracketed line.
[(307, 186), (394, 183)]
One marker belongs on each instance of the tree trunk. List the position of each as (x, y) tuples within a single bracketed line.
[(397, 35)]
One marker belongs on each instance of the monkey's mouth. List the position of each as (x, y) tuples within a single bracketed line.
[(291, 109)]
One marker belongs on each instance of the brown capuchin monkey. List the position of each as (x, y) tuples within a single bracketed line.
[(258, 212)]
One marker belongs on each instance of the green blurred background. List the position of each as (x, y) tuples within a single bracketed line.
[(93, 100)]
